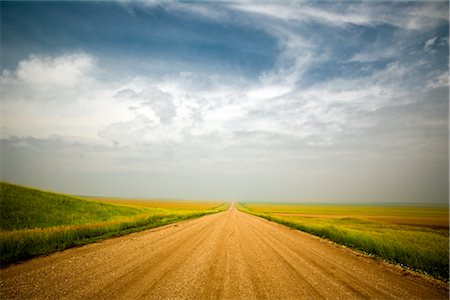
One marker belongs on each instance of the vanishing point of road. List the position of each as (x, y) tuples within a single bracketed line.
[(229, 255)]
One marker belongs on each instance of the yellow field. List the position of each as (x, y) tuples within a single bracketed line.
[(414, 215), (177, 205)]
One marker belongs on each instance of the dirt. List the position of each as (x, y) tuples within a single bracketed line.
[(225, 255)]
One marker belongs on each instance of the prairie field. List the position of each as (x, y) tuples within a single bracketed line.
[(35, 222), (414, 236), (161, 204)]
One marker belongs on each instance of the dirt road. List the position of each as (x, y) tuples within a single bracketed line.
[(226, 255)]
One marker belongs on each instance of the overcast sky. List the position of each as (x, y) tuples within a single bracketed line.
[(311, 101)]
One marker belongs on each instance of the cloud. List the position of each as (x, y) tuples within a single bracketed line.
[(418, 16), (133, 132), (339, 103), (46, 78), (380, 51), (62, 71), (126, 93), (214, 13), (58, 95), (439, 80), (428, 45), (160, 102), (139, 110)]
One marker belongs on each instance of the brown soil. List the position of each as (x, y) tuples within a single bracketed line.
[(226, 255)]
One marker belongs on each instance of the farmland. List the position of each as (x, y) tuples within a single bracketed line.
[(166, 204), (414, 236), (35, 222)]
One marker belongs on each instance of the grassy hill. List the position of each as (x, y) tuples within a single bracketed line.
[(26, 208), (35, 222)]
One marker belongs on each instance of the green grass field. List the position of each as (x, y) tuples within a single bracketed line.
[(35, 222), (416, 237)]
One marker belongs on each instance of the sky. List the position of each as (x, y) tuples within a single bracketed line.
[(248, 101)]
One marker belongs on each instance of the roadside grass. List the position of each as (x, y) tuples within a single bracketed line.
[(35, 222), (420, 248)]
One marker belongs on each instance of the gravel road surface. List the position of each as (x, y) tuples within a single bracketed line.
[(229, 255)]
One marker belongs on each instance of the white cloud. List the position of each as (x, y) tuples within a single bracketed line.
[(57, 95), (267, 92), (439, 80), (110, 111), (375, 55), (62, 71), (419, 16), (428, 45), (140, 110), (425, 15), (160, 102), (125, 93), (200, 10), (133, 132)]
